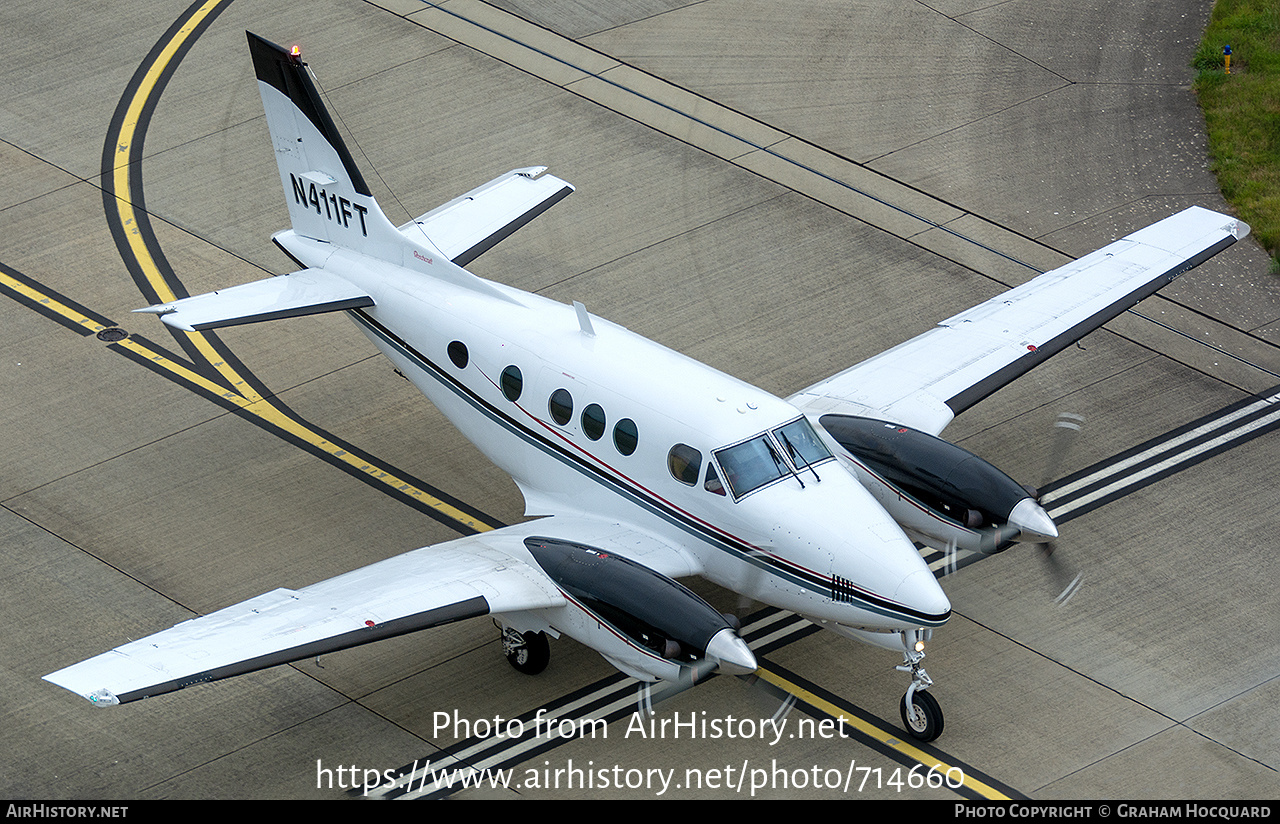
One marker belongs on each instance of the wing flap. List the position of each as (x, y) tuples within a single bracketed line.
[(468, 226), (929, 379), (308, 292), (427, 587)]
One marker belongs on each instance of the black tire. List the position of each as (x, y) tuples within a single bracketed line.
[(930, 726), (533, 657)]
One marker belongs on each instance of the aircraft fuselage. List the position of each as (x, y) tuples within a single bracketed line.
[(590, 418)]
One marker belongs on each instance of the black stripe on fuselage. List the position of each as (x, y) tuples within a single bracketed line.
[(743, 551)]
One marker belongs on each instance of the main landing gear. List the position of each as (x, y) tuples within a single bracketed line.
[(921, 714), (528, 652)]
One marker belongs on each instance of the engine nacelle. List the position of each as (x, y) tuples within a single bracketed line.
[(937, 489), (644, 622)]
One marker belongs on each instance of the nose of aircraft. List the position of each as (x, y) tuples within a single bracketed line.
[(1036, 525), (733, 654), (921, 592)]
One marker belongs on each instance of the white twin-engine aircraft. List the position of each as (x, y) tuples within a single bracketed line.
[(648, 466)]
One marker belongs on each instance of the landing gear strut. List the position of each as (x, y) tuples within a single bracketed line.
[(528, 652), (921, 714)]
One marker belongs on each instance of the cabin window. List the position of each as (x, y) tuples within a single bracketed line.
[(593, 421), (458, 354), (561, 406), (512, 383), (685, 463), (751, 464), (712, 484), (625, 436)]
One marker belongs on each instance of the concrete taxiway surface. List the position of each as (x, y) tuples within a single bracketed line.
[(779, 190)]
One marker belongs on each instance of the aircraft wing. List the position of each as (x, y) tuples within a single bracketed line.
[(489, 573), (931, 378), (478, 575), (472, 224)]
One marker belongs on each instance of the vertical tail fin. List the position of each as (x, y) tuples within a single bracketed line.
[(327, 196)]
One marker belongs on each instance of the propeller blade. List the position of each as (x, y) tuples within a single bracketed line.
[(766, 694), (691, 675), (1068, 426), (1062, 575), (747, 604), (952, 558), (993, 540), (1065, 579)]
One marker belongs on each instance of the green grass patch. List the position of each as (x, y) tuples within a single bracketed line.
[(1242, 110)]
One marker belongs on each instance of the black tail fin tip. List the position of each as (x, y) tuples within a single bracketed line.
[(283, 70)]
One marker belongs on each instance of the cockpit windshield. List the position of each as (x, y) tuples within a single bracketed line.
[(802, 443), (751, 464), (758, 461)]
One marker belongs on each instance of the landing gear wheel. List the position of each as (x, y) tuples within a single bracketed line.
[(532, 655), (928, 721)]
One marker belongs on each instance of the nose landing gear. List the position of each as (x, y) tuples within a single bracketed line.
[(921, 714)]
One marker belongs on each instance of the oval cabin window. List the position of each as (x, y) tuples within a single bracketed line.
[(625, 436), (512, 383), (561, 406), (593, 421), (458, 354)]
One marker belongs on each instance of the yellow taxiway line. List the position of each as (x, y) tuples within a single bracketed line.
[(888, 739)]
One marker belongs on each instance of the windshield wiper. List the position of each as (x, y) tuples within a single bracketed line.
[(780, 462), (797, 457)]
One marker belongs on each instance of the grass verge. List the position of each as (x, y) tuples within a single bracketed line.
[(1242, 111)]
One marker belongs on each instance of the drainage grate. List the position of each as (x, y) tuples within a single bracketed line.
[(113, 335)]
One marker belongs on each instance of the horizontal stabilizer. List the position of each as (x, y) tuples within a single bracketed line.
[(308, 292), (468, 226)]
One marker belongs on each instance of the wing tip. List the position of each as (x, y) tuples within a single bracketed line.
[(102, 697)]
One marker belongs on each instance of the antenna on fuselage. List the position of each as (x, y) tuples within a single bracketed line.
[(584, 319)]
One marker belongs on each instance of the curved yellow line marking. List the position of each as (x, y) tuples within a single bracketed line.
[(122, 182), (243, 394), (878, 734)]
